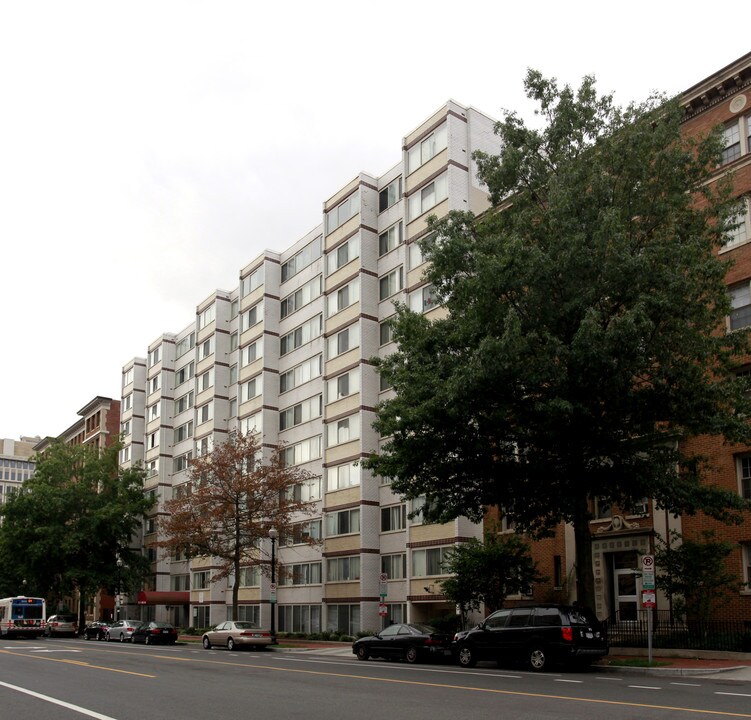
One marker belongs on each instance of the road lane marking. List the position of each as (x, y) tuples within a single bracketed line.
[(645, 687), (80, 663), (579, 682), (61, 703), (734, 694), (686, 684)]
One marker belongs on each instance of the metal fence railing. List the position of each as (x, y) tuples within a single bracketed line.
[(669, 631)]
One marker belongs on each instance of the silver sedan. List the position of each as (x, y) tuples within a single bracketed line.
[(236, 634)]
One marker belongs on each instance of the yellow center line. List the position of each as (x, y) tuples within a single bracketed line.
[(80, 663)]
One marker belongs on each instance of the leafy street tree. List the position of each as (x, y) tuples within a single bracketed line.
[(487, 572), (66, 529), (694, 574), (237, 494), (579, 340)]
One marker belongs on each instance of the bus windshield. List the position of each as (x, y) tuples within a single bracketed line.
[(25, 610)]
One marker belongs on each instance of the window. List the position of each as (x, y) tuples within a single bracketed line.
[(394, 566), (181, 462), (393, 518), (152, 468), (185, 373), (302, 296), (415, 256), (251, 424), (301, 574), (128, 377), (301, 260), (301, 374), (428, 197), (343, 619), (343, 254), (201, 580), (127, 402), (205, 445), (740, 301), (301, 335), (201, 616), (744, 476), (124, 457), (343, 569), (125, 428), (246, 613), (390, 284), (342, 476), (152, 440), (251, 353), (299, 618), (251, 317), (390, 194), (302, 452), (155, 356), (429, 561), (390, 239), (343, 341), (206, 317), (155, 383), (250, 576), (343, 297), (206, 349), (233, 341), (746, 549), (185, 345), (732, 142), (180, 583), (206, 412), (183, 432), (423, 300), (234, 309), (300, 413), (304, 492), (343, 430), (383, 383), (304, 532), (739, 234), (342, 212), (251, 282), (152, 412), (206, 380), (183, 403), (386, 332), (251, 389), (233, 375), (418, 507), (428, 148), (345, 522), (343, 385)]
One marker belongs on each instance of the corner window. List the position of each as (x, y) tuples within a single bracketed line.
[(740, 301), (428, 148), (345, 522), (343, 297), (738, 234), (342, 212), (390, 284), (428, 197), (390, 239), (429, 561), (343, 254), (342, 476), (390, 195)]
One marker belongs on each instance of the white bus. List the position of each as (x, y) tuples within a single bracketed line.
[(22, 616)]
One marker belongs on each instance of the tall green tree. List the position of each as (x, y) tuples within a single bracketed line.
[(487, 572), (580, 340), (64, 532), (238, 492)]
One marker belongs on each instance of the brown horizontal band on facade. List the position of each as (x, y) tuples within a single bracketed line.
[(206, 603), (360, 408), (343, 240), (351, 366), (340, 200), (342, 283), (354, 504), (435, 543), (155, 597), (354, 551), (368, 185), (344, 461), (456, 164), (432, 597), (352, 599)]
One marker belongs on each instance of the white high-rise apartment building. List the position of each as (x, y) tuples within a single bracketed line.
[(287, 354)]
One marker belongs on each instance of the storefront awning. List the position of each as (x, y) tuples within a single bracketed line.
[(163, 598)]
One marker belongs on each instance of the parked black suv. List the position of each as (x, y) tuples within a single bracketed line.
[(539, 635)]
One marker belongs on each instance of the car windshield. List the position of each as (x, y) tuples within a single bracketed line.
[(242, 625)]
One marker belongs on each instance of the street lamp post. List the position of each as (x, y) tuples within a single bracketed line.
[(118, 597), (273, 535)]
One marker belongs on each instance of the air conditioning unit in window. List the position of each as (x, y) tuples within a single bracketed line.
[(640, 509)]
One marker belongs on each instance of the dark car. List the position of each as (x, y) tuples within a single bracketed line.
[(95, 630), (538, 635), (153, 632), (411, 641), (61, 625)]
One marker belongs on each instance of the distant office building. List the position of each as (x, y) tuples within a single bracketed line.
[(16, 464)]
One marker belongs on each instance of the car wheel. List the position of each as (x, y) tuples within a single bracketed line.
[(411, 654), (362, 653), (122, 637), (107, 637), (146, 640), (537, 658), (206, 644), (467, 656), (230, 644)]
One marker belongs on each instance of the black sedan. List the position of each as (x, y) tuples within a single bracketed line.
[(154, 632), (411, 641), (95, 631)]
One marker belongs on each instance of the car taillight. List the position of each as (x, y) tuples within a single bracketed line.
[(567, 633), (432, 641)]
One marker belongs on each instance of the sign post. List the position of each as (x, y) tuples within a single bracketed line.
[(648, 597)]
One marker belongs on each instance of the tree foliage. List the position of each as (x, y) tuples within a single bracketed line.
[(237, 494), (694, 573), (71, 521), (487, 572), (579, 344)]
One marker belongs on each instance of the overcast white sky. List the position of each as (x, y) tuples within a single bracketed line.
[(149, 150)]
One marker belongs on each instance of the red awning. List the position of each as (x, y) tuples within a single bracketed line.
[(163, 598)]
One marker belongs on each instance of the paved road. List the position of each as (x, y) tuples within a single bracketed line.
[(126, 682)]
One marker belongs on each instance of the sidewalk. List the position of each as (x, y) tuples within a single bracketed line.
[(681, 662)]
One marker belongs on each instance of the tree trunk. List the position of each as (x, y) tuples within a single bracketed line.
[(585, 579)]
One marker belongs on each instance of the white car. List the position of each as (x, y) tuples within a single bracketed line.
[(236, 633), (121, 630)]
